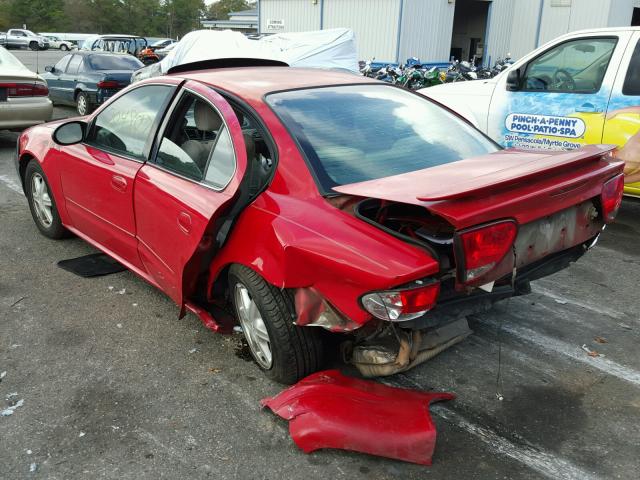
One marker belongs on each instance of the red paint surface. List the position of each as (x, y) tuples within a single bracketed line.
[(330, 410)]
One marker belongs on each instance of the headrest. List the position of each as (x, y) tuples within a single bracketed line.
[(207, 119)]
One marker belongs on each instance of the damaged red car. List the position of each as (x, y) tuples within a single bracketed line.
[(312, 201)]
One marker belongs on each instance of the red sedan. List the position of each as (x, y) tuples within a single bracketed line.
[(304, 200)]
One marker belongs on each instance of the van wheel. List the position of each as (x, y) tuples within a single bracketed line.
[(284, 351)]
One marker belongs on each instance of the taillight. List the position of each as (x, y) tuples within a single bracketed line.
[(108, 84), (481, 249), (611, 197), (403, 303), (25, 89)]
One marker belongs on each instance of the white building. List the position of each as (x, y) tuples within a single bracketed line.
[(243, 21), (435, 30)]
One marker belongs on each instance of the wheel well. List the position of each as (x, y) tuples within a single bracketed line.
[(22, 167), (75, 94)]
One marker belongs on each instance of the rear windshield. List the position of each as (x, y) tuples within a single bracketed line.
[(113, 62), (364, 132), (7, 61)]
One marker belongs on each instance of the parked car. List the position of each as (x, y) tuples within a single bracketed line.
[(58, 43), (580, 88), (20, 38), (163, 52), (24, 97), (310, 201), (87, 79), (162, 43)]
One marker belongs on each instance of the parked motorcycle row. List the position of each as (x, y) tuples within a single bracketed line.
[(414, 75)]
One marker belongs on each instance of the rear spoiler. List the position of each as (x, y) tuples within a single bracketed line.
[(226, 63), (526, 171)]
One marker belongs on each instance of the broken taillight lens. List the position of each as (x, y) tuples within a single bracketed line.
[(403, 303), (611, 197), (479, 250)]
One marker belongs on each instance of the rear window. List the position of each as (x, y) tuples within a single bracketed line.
[(113, 62), (7, 60), (363, 132)]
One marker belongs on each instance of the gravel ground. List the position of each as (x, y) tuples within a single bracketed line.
[(114, 386)]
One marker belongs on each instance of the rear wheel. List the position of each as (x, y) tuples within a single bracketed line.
[(33, 45), (64, 47), (83, 104), (41, 203), (283, 350)]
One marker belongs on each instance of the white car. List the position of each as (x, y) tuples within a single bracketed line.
[(24, 96), (57, 42)]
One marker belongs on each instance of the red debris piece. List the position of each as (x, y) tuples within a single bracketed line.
[(330, 410)]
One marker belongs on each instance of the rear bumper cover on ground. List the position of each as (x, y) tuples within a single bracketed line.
[(330, 410)]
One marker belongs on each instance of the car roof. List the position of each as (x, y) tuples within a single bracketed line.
[(255, 82)]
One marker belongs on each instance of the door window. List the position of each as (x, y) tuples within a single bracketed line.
[(196, 144), (577, 66), (74, 65), (126, 125), (62, 64), (632, 81)]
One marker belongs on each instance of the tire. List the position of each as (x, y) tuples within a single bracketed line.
[(64, 47), (295, 351), (33, 45), (83, 104), (49, 225)]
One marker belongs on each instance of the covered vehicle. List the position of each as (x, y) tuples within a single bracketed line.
[(329, 49), (87, 79), (24, 97), (311, 200)]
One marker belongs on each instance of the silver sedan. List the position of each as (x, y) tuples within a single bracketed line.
[(24, 96)]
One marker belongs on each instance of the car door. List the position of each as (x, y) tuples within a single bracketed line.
[(561, 95), (69, 79), (54, 83), (185, 188), (98, 175), (622, 122)]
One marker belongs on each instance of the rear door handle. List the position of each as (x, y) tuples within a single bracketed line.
[(119, 183), (184, 222), (588, 108)]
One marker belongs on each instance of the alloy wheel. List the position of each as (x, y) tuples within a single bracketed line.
[(41, 200), (253, 326), (82, 105)]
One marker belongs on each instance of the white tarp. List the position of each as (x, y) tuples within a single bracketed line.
[(335, 48)]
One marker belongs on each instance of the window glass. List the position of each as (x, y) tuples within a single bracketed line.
[(191, 141), (125, 125), (575, 66), (632, 81), (62, 64), (222, 162), (114, 62), (364, 132), (74, 64)]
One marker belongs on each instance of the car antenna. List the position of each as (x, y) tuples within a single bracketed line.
[(38, 60)]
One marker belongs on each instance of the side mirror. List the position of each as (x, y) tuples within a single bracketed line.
[(513, 80), (49, 69), (70, 133)]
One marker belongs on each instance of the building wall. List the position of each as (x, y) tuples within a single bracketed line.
[(298, 15), (621, 12), (427, 26), (374, 22)]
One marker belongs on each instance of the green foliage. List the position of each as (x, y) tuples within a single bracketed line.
[(157, 18), (220, 10)]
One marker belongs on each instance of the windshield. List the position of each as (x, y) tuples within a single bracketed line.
[(29, 33), (114, 62), (363, 132)]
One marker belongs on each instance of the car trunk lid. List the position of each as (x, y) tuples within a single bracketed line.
[(523, 185)]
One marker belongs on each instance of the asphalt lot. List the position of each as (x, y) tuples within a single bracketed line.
[(114, 386)]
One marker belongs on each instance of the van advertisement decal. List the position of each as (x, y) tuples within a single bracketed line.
[(545, 125)]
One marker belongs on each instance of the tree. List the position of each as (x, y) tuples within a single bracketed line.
[(37, 15), (220, 10), (183, 16)]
